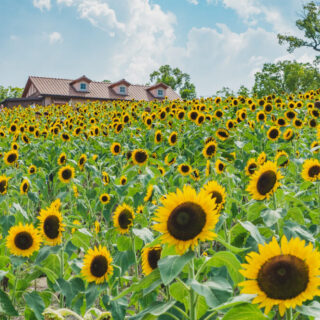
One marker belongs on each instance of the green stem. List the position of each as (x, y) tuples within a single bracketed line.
[(289, 314), (192, 293), (318, 187), (15, 287), (61, 274), (274, 201), (210, 315), (181, 311), (135, 254), (171, 315)]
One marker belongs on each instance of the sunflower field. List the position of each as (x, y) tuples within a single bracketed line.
[(203, 209)]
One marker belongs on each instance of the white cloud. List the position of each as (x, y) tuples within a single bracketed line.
[(195, 2), (13, 37), (68, 3), (55, 37), (99, 14), (42, 4)]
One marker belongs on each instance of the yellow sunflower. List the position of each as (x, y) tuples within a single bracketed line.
[(104, 198), (222, 134), (23, 240), (82, 161), (123, 180), (51, 224), (262, 158), (150, 257), (219, 166), (273, 133), (62, 159), (265, 181), (158, 137), (115, 148), (209, 150), (184, 169), (105, 178), (311, 170), (3, 184), (288, 134), (216, 192), (24, 186), (139, 157), (251, 166), (32, 169), (149, 193), (186, 218), (66, 173), (123, 218), (282, 159), (173, 138), (11, 157), (283, 276), (97, 265)]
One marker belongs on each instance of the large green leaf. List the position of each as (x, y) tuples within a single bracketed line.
[(35, 303), (244, 312), (253, 230), (312, 310), (6, 305)]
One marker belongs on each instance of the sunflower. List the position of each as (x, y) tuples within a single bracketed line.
[(251, 166), (311, 170), (209, 150), (11, 157), (97, 265), (219, 166), (23, 240), (273, 133), (82, 161), (184, 169), (3, 184), (186, 218), (24, 186), (105, 178), (314, 145), (282, 159), (97, 227), (139, 156), (115, 148), (262, 158), (140, 209), (32, 169), (173, 138), (14, 146), (169, 160), (149, 193), (208, 168), (104, 198), (123, 218), (150, 257), (222, 134), (261, 116), (217, 192), (195, 175), (158, 136), (123, 180), (283, 275), (264, 181), (25, 138), (51, 224), (66, 173), (62, 159)]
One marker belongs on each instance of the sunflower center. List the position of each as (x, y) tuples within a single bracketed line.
[(104, 198), (141, 157), (154, 257), (266, 182), (274, 133), (23, 240), (99, 266), (173, 138), (158, 137), (66, 174), (314, 171), (51, 227), (116, 149), (125, 219), (252, 168), (3, 186), (25, 187), (211, 150), (185, 168), (223, 134), (217, 196), (186, 221), (81, 161), (283, 277), (12, 157)]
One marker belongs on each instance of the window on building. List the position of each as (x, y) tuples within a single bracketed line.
[(160, 93), (83, 86), (122, 89)]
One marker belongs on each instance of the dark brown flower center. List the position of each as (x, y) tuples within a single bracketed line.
[(217, 195), (99, 266), (252, 167), (12, 157), (314, 171), (223, 134), (158, 137), (266, 182), (23, 240), (211, 150), (221, 166), (186, 221), (66, 174), (125, 219), (116, 149), (194, 115), (51, 227), (154, 257), (105, 198), (25, 187), (185, 168), (274, 133), (173, 138), (141, 156), (3, 186), (283, 277)]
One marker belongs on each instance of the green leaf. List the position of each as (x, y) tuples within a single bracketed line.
[(205, 291), (244, 312), (3, 274), (6, 306), (295, 214), (242, 298), (17, 207), (229, 246), (253, 230), (35, 303), (92, 293), (144, 234), (270, 217), (229, 260), (171, 266), (124, 243), (52, 276), (180, 293), (312, 310)]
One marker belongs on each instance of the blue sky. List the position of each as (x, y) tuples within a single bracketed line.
[(218, 42)]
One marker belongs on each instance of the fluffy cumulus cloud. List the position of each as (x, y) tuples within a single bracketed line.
[(42, 4), (68, 3), (55, 37)]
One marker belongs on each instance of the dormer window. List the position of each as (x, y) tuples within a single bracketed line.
[(122, 89), (160, 93), (83, 86)]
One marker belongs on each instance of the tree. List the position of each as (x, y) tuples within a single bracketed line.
[(10, 92), (107, 81), (176, 79), (243, 91), (286, 77), (224, 92), (310, 25)]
